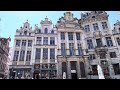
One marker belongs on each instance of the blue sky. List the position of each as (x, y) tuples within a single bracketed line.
[(12, 20)]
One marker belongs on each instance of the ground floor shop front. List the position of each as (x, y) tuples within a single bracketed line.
[(36, 71)]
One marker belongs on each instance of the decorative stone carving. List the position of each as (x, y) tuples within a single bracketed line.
[(97, 34)]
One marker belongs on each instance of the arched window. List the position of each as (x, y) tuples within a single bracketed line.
[(82, 69), (38, 31), (52, 32), (20, 33), (46, 30), (93, 16), (25, 33)]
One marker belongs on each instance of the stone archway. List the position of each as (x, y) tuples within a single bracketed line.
[(64, 68)]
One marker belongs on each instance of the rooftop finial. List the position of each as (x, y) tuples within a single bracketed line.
[(46, 19)]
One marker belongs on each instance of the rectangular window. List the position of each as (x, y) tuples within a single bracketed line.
[(109, 41), (87, 28), (16, 54), (78, 36), (80, 49), (22, 55), (113, 55), (71, 47), (70, 35), (90, 44), (45, 53), (28, 57), (18, 43), (45, 41), (118, 40), (95, 26), (23, 42), (116, 68), (99, 42), (62, 36), (104, 25), (38, 41), (63, 50), (94, 70), (52, 53), (29, 43), (52, 40), (38, 53), (92, 56), (102, 55)]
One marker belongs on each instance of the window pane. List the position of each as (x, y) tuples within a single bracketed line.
[(70, 35), (46, 30), (52, 53), (22, 54), (113, 55), (45, 41), (90, 44), (95, 26), (52, 40), (62, 36), (45, 53), (38, 41), (71, 47), (18, 43), (87, 28), (109, 41), (63, 50), (78, 36), (29, 43), (38, 53)]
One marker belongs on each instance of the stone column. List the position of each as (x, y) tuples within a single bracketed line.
[(41, 56), (87, 65), (103, 41), (78, 69), (75, 43), (48, 55), (32, 71), (113, 40), (67, 43), (68, 70), (59, 71)]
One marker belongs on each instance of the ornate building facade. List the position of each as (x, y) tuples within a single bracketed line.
[(73, 46), (71, 52), (100, 43), (34, 52), (4, 53)]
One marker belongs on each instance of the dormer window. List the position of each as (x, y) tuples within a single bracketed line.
[(26, 27), (52, 32), (46, 30), (93, 16), (119, 30), (25, 33), (20, 33), (29, 34), (39, 31)]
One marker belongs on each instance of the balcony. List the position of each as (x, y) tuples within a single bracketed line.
[(27, 63), (52, 60), (102, 47), (37, 61)]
